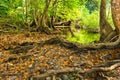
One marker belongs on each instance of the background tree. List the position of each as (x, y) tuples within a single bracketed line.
[(115, 5), (106, 30), (41, 15)]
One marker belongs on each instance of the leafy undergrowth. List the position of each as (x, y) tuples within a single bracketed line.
[(24, 54), (84, 37)]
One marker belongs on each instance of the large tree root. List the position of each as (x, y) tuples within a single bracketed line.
[(79, 70), (62, 42), (100, 68), (107, 45)]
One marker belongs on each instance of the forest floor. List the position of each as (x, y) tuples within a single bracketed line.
[(28, 54)]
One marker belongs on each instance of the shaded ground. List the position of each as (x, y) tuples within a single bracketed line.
[(30, 53)]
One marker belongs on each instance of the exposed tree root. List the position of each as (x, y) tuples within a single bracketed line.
[(105, 67), (55, 72), (67, 44), (11, 58), (79, 70), (102, 67), (70, 45), (107, 45)]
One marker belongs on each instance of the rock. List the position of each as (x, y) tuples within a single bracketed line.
[(53, 77), (48, 78), (56, 67), (65, 77), (50, 63), (63, 55), (58, 78)]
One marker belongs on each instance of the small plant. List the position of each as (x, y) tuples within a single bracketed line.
[(70, 77)]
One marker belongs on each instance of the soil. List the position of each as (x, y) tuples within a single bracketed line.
[(28, 54)]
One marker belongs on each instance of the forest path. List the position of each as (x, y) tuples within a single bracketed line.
[(33, 53)]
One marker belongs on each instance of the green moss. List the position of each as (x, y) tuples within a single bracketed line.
[(84, 37)]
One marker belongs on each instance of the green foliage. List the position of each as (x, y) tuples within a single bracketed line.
[(84, 37), (25, 11), (89, 20), (92, 5), (3, 11), (4, 8), (70, 77), (68, 10), (68, 14)]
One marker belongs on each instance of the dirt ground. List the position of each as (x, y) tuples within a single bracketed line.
[(26, 54)]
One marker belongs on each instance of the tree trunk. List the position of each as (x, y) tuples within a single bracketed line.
[(106, 30), (115, 8), (43, 26), (54, 6), (26, 10)]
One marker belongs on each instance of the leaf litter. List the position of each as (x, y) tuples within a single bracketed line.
[(24, 54)]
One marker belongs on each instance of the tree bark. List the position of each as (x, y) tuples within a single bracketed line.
[(115, 8), (26, 9), (43, 21), (53, 13), (106, 30)]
